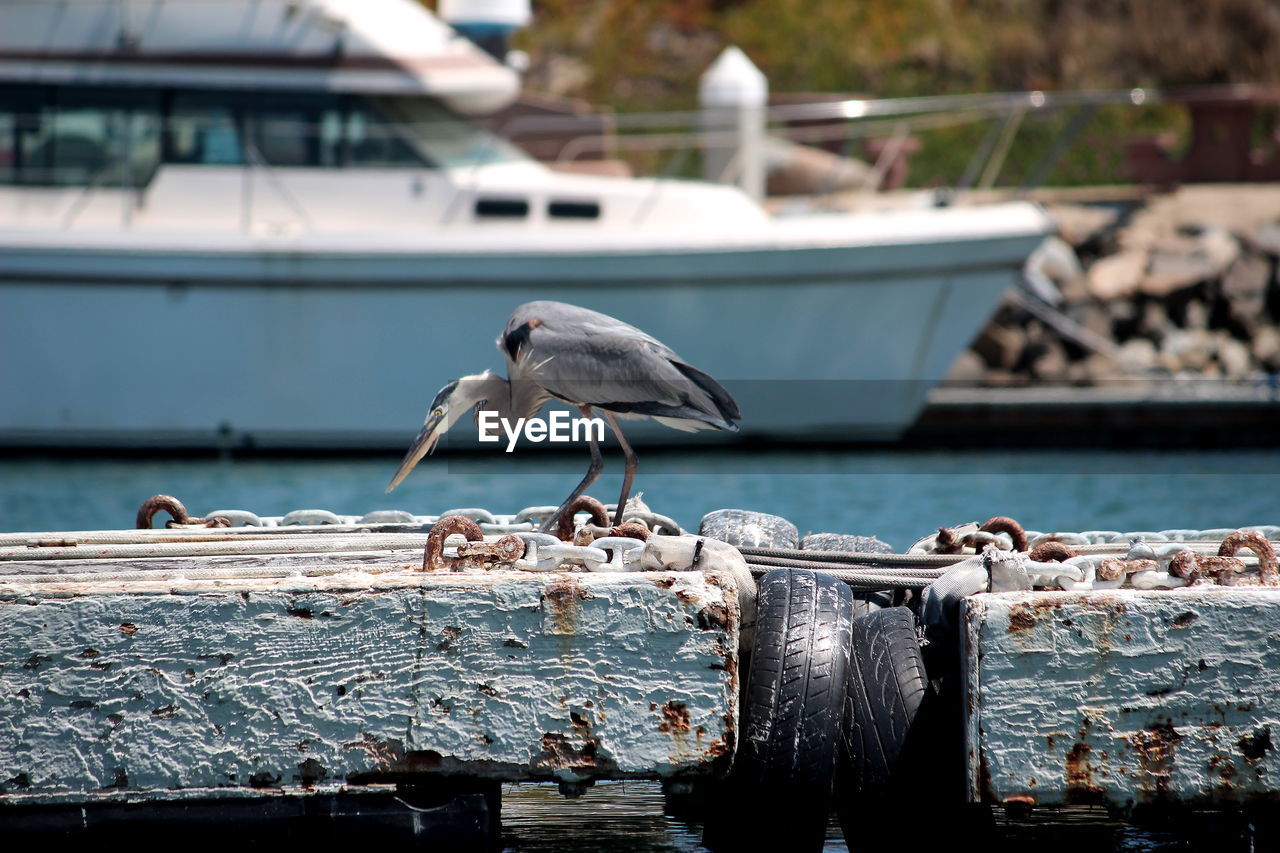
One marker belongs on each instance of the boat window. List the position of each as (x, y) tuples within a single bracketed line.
[(202, 132), (574, 209), (504, 208), (376, 141), (66, 137), (312, 131), (8, 148), (285, 137), (445, 138), (86, 136)]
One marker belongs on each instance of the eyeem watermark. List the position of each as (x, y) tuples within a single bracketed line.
[(559, 427)]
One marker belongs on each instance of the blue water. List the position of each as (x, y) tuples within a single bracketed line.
[(898, 496)]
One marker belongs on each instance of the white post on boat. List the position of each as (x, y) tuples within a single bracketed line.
[(733, 94), (488, 23)]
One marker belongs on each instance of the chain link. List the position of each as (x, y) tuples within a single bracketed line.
[(546, 553), (527, 520)]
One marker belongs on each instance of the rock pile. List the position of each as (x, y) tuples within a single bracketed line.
[(1184, 285)]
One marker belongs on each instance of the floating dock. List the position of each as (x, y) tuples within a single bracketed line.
[(394, 668), (1125, 697), (1193, 413), (275, 663)]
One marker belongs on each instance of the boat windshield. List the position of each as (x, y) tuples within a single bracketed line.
[(87, 136), (447, 139)]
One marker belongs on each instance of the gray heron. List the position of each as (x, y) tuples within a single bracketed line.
[(592, 362)]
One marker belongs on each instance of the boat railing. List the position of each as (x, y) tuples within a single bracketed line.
[(682, 133), (670, 142), (844, 120), (895, 120)]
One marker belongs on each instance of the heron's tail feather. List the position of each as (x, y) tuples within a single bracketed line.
[(723, 410)]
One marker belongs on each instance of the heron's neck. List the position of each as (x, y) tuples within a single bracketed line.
[(527, 397), (489, 389)]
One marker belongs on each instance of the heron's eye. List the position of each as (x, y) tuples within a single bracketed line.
[(438, 413)]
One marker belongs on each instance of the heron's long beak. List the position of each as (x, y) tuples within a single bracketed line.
[(422, 445)]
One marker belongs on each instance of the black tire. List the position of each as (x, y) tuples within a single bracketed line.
[(884, 748), (866, 603), (794, 704)]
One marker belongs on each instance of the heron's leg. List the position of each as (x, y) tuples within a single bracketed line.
[(593, 471), (633, 462)]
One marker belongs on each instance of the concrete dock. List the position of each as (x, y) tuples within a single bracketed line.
[(1124, 697), (188, 678), (390, 671)]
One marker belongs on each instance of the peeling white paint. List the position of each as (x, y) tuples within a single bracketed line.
[(1124, 697), (241, 683)]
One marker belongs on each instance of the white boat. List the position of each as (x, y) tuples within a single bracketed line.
[(267, 222)]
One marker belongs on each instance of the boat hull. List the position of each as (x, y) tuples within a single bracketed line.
[(318, 349)]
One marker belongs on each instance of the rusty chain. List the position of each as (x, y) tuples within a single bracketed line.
[(526, 520), (1086, 560), (525, 551)]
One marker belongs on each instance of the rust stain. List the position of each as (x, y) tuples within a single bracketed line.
[(561, 597), (1080, 784), (1112, 604), (713, 617), (559, 754), (1224, 766), (984, 778), (1021, 618), (675, 718), (1155, 747), (1023, 801), (128, 629), (664, 583), (385, 753), (729, 667)]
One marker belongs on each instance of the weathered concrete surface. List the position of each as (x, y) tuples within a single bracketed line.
[(255, 684), (1124, 697)]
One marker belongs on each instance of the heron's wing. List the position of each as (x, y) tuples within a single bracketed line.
[(587, 358), (564, 320)]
